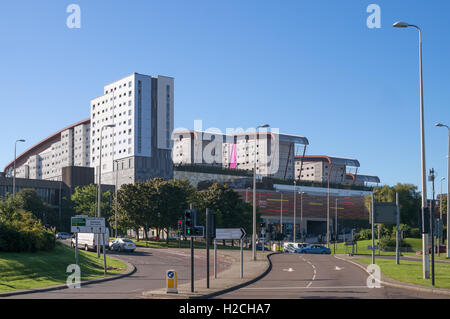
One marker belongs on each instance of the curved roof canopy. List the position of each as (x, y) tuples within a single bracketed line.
[(42, 145), (330, 159)]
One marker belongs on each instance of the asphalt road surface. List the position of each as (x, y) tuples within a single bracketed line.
[(303, 276), (151, 266)]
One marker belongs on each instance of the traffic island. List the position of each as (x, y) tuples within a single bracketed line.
[(227, 280)]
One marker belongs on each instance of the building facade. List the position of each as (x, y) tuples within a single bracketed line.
[(138, 148)]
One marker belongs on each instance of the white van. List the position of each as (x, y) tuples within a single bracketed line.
[(88, 241)]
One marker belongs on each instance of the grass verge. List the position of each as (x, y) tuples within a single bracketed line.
[(411, 272), (33, 270)]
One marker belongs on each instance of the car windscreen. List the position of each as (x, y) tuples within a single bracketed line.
[(127, 240)]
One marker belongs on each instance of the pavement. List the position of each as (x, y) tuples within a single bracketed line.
[(298, 276), (228, 279)]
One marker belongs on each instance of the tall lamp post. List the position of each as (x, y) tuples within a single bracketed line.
[(448, 187), (14, 171), (99, 195), (440, 217), (295, 209), (425, 261), (254, 195), (301, 214)]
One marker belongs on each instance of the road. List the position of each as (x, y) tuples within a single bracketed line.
[(151, 266), (296, 276)]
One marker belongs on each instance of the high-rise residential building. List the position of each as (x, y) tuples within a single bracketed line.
[(139, 146)]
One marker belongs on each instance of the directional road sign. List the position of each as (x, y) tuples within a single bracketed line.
[(85, 224), (230, 233)]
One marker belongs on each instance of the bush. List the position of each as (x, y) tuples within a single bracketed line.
[(24, 233), (413, 233), (364, 234), (389, 244)]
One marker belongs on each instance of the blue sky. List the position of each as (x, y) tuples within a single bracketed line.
[(311, 68)]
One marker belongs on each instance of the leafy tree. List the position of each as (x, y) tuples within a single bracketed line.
[(85, 201), (231, 211), (409, 198), (29, 201)]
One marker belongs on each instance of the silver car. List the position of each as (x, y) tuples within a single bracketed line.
[(122, 244)]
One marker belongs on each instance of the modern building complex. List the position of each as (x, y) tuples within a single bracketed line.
[(45, 160), (130, 133), (138, 148), (275, 153)]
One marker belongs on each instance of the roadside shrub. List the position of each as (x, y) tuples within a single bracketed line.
[(388, 244), (24, 233), (413, 233), (364, 234)]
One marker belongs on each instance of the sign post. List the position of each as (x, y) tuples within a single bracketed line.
[(171, 281), (85, 224), (207, 247), (397, 248), (232, 234)]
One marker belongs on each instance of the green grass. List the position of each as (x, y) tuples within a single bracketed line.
[(411, 271), (361, 248), (32, 270)]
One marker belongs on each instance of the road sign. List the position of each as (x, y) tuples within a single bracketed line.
[(385, 213), (85, 224), (230, 233), (172, 282)]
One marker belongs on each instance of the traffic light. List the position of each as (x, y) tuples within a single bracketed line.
[(187, 222), (180, 225)]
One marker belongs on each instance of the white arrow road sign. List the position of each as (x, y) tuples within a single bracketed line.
[(338, 268), (230, 233), (288, 270)]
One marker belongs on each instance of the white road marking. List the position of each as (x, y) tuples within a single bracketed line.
[(338, 268), (308, 286), (289, 269)]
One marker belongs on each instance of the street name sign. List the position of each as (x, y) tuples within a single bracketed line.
[(230, 233), (85, 224)]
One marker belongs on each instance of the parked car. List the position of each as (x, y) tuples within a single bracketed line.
[(89, 240), (442, 249), (314, 249), (122, 244), (289, 248), (63, 235)]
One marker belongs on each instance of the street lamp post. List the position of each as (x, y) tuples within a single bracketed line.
[(254, 195), (14, 170), (448, 187), (425, 261), (295, 209), (99, 194), (335, 227), (116, 201), (301, 214), (440, 216)]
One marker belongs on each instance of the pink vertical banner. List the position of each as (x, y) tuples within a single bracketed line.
[(232, 152)]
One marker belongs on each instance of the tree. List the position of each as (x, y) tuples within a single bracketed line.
[(231, 211), (85, 201), (132, 206), (28, 200), (409, 198)]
